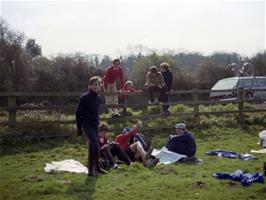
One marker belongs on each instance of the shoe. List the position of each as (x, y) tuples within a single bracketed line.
[(154, 162), (148, 153), (118, 115), (91, 174), (102, 171), (167, 112), (151, 102), (116, 166)]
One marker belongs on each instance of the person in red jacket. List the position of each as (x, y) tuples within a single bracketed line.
[(127, 88), (112, 74), (134, 151)]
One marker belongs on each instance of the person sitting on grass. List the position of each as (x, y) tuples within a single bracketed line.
[(180, 147), (134, 151), (183, 142), (110, 150)]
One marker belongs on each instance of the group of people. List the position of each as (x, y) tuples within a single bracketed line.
[(156, 81), (129, 145)]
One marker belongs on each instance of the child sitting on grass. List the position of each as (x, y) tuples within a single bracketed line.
[(110, 150), (134, 151)]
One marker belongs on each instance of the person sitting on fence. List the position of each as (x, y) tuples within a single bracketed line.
[(127, 87), (183, 142), (155, 83), (135, 151), (168, 79), (109, 150)]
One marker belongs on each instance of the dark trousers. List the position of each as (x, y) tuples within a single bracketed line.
[(106, 153), (116, 150), (93, 151), (153, 89), (165, 100)]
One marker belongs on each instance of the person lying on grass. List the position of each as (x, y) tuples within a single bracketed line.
[(109, 151), (135, 151)]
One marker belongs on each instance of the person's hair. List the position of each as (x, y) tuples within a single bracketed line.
[(128, 82), (153, 69), (165, 65), (116, 60), (103, 127), (94, 79)]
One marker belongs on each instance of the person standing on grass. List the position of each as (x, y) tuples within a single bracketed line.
[(113, 73), (168, 79), (87, 118)]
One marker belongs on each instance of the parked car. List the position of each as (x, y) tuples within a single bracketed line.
[(248, 82)]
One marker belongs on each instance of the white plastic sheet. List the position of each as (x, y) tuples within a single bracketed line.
[(66, 166), (165, 156)]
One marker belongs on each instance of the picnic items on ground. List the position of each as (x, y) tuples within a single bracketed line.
[(231, 154)]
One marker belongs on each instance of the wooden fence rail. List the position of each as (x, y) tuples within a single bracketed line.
[(12, 108)]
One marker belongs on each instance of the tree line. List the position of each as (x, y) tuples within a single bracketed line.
[(24, 68)]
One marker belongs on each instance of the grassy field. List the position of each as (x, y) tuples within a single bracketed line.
[(22, 175)]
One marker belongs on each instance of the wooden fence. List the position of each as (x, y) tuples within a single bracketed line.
[(12, 106)]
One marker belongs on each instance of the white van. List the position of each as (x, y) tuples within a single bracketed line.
[(248, 82)]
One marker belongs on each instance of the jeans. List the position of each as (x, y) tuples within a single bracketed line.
[(93, 159)]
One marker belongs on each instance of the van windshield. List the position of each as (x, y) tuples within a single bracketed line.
[(225, 84)]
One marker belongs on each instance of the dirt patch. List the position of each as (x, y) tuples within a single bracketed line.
[(65, 182), (34, 178), (167, 170), (263, 190), (232, 184), (200, 184)]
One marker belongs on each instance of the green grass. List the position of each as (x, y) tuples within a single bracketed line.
[(22, 175)]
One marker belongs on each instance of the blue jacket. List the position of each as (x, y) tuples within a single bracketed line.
[(87, 111), (242, 176), (168, 79), (182, 144)]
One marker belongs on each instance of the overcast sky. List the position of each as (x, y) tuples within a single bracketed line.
[(115, 27)]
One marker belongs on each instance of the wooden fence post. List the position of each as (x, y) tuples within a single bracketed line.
[(240, 105), (196, 108), (124, 110), (12, 113)]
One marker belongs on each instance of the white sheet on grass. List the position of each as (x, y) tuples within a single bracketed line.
[(165, 156), (258, 151), (66, 166)]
